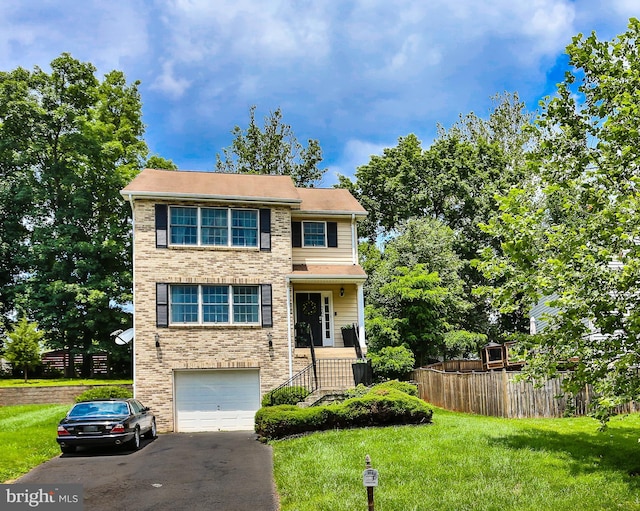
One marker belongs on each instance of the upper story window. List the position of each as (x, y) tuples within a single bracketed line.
[(213, 226), (314, 234), (311, 234)]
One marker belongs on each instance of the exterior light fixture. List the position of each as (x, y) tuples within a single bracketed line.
[(157, 341), (341, 291)]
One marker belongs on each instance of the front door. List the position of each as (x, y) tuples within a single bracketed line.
[(309, 311)]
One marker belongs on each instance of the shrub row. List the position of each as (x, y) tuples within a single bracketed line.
[(104, 392), (382, 405), (285, 396)]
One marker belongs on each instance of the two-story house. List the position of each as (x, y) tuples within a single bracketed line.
[(234, 275)]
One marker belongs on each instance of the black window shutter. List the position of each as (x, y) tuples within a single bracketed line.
[(162, 305), (161, 225), (332, 234), (296, 233), (265, 230), (267, 306)]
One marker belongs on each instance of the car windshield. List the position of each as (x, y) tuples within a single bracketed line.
[(101, 409)]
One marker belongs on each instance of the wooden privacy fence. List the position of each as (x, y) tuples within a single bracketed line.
[(495, 393)]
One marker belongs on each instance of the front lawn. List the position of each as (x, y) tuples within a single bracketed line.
[(466, 462), (59, 382), (27, 437)]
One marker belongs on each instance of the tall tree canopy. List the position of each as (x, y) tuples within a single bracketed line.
[(453, 181), (414, 293), (574, 238), (68, 143), (272, 150)]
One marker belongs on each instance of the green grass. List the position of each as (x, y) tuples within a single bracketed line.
[(60, 382), (466, 462), (27, 437)]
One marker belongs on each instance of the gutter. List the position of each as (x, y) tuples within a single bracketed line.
[(208, 197), (354, 241)]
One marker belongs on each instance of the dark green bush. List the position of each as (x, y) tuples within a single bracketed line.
[(384, 406), (402, 386), (358, 391), (286, 420), (104, 392), (392, 363), (285, 396), (380, 406)]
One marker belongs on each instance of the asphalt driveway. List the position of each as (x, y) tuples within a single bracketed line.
[(226, 471)]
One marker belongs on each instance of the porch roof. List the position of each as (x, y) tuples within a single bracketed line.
[(327, 273)]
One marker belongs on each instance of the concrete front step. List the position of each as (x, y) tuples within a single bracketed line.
[(325, 396)]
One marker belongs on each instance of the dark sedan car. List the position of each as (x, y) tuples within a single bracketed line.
[(106, 422)]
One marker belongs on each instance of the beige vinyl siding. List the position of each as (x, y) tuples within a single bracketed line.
[(345, 308), (341, 255)]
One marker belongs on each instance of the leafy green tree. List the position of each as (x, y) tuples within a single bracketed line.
[(70, 142), (158, 162), (574, 238), (392, 362), (272, 150), (425, 244), (453, 181), (23, 349)]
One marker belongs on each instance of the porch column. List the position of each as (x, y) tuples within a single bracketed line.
[(289, 343), (361, 317)]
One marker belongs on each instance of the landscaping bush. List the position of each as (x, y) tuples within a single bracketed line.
[(104, 392), (286, 420), (358, 391), (381, 406), (285, 396), (392, 363), (402, 386)]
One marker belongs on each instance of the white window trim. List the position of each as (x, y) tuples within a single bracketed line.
[(326, 240), (230, 306), (229, 228)]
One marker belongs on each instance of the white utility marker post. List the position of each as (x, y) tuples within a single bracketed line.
[(370, 480)]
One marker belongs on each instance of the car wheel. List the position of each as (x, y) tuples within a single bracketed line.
[(153, 432), (134, 443), (68, 449)]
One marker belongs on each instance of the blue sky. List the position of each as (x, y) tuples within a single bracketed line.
[(355, 75)]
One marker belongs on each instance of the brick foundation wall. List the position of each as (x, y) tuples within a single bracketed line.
[(43, 395)]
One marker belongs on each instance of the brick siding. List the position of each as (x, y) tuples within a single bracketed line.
[(205, 347)]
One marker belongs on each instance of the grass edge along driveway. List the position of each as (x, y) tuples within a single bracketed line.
[(27, 437), (466, 462)]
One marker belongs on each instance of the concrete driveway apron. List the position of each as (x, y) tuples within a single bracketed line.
[(225, 471)]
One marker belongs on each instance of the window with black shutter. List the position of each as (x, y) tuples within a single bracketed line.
[(265, 230), (162, 305), (161, 225)]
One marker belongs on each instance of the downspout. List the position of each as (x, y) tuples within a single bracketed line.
[(289, 348), (133, 279), (354, 240), (361, 338)]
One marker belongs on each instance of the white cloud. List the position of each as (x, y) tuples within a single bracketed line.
[(103, 33), (168, 84), (355, 153)]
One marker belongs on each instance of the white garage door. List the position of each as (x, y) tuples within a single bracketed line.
[(223, 400)]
